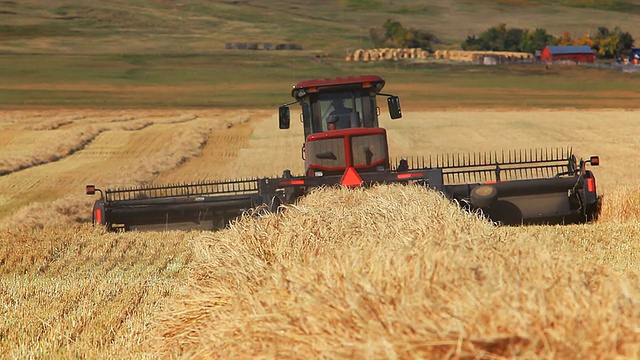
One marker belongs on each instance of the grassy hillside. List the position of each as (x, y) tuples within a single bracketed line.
[(157, 26), (150, 54)]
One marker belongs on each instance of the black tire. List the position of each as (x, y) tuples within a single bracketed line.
[(505, 213)]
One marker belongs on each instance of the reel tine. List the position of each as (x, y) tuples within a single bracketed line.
[(499, 165)]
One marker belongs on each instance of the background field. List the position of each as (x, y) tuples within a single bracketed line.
[(143, 92)]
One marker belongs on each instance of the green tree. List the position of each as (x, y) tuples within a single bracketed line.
[(625, 43), (420, 39), (606, 43), (536, 40), (500, 38), (396, 35), (513, 39), (494, 38), (394, 32), (612, 44), (474, 44)]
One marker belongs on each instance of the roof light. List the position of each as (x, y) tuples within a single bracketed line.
[(351, 178)]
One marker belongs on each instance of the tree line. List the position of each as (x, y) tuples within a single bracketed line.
[(605, 43), (393, 34)]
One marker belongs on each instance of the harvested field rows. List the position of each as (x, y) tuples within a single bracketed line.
[(389, 272), (220, 151), (48, 156), (124, 150)]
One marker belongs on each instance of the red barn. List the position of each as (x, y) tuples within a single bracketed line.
[(578, 54)]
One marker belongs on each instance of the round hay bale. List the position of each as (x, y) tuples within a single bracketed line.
[(357, 55)]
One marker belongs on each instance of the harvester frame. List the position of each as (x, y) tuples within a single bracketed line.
[(344, 145)]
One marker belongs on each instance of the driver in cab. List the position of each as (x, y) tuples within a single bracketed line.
[(341, 116)]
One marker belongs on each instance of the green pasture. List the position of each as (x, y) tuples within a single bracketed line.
[(263, 79)]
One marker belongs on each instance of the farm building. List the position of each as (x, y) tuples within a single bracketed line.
[(578, 54), (635, 56)]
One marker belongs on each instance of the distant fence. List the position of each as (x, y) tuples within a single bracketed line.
[(615, 66), (484, 57), (261, 46)]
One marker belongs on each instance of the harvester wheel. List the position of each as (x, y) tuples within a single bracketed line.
[(483, 195), (593, 211)]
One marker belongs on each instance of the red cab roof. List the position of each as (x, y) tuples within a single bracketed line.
[(313, 85)]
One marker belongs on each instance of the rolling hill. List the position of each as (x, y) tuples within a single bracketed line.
[(190, 26)]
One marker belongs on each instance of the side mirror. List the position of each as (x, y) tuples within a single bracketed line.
[(394, 107), (92, 190), (284, 117)]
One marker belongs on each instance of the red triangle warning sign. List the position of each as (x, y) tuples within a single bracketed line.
[(351, 178)]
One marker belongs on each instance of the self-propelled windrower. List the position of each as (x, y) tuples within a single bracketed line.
[(344, 145)]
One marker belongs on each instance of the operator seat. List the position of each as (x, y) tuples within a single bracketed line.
[(345, 120)]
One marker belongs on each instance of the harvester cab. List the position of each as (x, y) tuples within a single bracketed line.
[(344, 145), (340, 119)]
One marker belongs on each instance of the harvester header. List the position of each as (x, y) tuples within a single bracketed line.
[(344, 145)]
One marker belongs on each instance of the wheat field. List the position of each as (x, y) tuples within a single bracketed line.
[(392, 272)]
